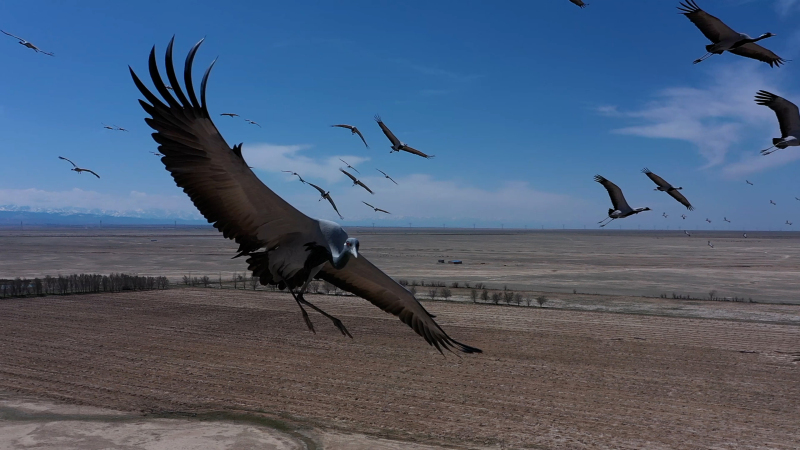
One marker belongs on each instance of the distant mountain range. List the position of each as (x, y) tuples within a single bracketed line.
[(13, 215)]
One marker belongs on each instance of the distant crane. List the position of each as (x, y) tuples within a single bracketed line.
[(356, 181), (773, 203), (748, 182), (376, 209), (621, 208), (708, 220), (710, 244), (665, 215), (75, 168), (157, 153), (252, 122), (726, 39), (726, 219), (683, 216), (666, 187), (229, 114), (745, 235), (788, 119), (294, 173), (327, 196), (353, 130), (395, 182), (349, 166), (25, 43), (396, 144), (580, 3), (788, 223), (686, 233)]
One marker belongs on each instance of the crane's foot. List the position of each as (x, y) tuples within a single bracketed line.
[(307, 320)]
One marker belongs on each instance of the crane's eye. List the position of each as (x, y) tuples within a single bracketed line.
[(347, 244)]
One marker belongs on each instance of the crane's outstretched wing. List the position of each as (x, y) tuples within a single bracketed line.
[(382, 210), (47, 53), (676, 194), (362, 201), (330, 200), (321, 191), (91, 172), (16, 37), (414, 151), (617, 199), (70, 161), (656, 179), (580, 3), (755, 51), (358, 182), (788, 115), (355, 180), (362, 278), (711, 27), (358, 132), (392, 138), (348, 165), (214, 175)]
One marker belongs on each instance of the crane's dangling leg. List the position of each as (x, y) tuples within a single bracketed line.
[(601, 226), (605, 220), (336, 322), (702, 58), (769, 150), (305, 314)]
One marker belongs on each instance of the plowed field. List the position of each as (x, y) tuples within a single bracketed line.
[(547, 378)]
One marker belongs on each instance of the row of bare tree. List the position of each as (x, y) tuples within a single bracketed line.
[(79, 284)]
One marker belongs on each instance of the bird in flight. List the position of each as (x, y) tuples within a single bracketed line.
[(387, 176), (298, 176), (710, 244), (356, 181), (745, 235), (229, 114), (108, 127), (284, 246), (666, 187), (349, 166), (78, 169), (120, 128), (773, 203), (396, 144), (724, 38), (252, 122), (580, 3), (788, 119), (157, 154), (748, 182), (798, 199), (788, 223), (353, 130), (621, 208), (708, 220), (325, 195), (376, 209), (169, 87), (665, 215), (683, 216), (726, 219), (113, 128), (686, 233), (28, 44)]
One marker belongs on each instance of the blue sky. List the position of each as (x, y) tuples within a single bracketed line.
[(522, 103)]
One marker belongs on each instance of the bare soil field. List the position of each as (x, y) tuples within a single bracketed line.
[(764, 267), (549, 378)]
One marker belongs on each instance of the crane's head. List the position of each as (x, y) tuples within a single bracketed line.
[(766, 35), (351, 246)]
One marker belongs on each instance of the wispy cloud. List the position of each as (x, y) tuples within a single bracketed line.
[(275, 158), (785, 7), (713, 118), (755, 162), (133, 204)]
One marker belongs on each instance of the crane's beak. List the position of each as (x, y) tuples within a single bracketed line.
[(353, 251)]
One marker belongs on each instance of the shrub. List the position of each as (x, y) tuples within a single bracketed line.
[(445, 293), (473, 294), (517, 298), (432, 293), (496, 297), (485, 295), (454, 285), (541, 300)]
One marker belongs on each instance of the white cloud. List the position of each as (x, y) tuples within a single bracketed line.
[(714, 118), (275, 158), (755, 162), (134, 204)]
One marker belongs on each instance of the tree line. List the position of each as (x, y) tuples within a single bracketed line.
[(83, 283)]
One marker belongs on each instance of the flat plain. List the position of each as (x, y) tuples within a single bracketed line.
[(764, 267), (599, 368)]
